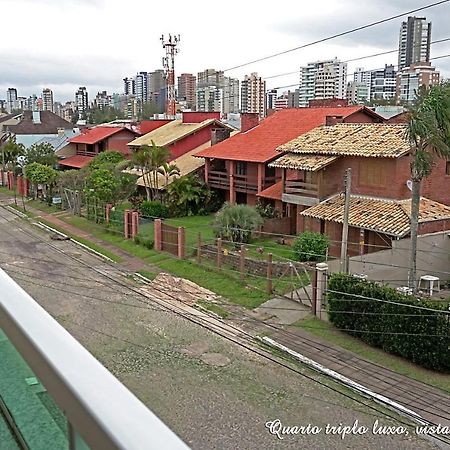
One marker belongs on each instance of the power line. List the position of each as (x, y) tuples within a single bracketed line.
[(334, 36)]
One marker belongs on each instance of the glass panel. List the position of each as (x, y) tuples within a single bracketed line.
[(39, 422)]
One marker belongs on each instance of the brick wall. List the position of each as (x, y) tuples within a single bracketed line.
[(118, 142)]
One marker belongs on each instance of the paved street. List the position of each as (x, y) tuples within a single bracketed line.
[(212, 392)]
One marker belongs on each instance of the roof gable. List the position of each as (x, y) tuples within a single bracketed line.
[(259, 144), (49, 124), (96, 134)]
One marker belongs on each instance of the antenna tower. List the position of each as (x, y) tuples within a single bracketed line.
[(170, 45)]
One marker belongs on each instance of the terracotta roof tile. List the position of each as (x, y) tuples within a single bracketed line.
[(77, 161), (386, 216), (303, 162), (259, 143), (370, 140), (273, 192), (96, 134)]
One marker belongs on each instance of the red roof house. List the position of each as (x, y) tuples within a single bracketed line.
[(239, 165), (82, 148)]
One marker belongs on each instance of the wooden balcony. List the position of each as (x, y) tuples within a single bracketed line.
[(300, 193), (85, 153), (242, 183), (218, 180)]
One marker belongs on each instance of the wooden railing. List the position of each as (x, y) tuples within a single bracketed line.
[(85, 153), (218, 179), (241, 182), (299, 187)]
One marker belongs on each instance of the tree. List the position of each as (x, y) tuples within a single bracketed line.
[(187, 195), (428, 132), (148, 109), (236, 223), (10, 152), (168, 170), (101, 184), (107, 114), (106, 159), (42, 154), (41, 174)]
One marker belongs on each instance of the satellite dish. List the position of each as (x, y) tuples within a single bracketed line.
[(409, 184)]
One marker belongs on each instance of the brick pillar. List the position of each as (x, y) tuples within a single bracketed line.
[(134, 224), (25, 187), (126, 223), (10, 181), (181, 243), (260, 177), (108, 207), (19, 185), (157, 230), (321, 270), (232, 191)]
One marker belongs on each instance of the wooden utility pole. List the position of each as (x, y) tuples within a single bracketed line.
[(344, 244)]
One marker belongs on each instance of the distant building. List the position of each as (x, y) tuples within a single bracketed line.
[(380, 83), (11, 100), (358, 93), (156, 82), (141, 87), (271, 97), (410, 79), (414, 42), (103, 100), (253, 93), (47, 100), (81, 102), (186, 89), (322, 79), (129, 86)]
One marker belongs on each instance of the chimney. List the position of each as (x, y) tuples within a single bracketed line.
[(219, 135), (249, 121), (333, 120), (36, 117)]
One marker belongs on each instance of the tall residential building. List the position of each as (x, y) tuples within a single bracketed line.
[(129, 86), (322, 79), (271, 96), (216, 92), (103, 100), (81, 102), (11, 99), (47, 100), (380, 83), (186, 89), (358, 93), (414, 42), (253, 95), (141, 86), (156, 83), (410, 79)]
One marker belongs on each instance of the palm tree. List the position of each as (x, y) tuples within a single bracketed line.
[(428, 132), (168, 170), (158, 157)]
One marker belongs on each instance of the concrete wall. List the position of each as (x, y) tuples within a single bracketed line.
[(433, 258)]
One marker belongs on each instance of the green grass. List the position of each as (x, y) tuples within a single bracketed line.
[(148, 274), (41, 206), (328, 332)]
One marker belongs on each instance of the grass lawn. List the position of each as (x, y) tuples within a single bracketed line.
[(327, 331), (42, 206)]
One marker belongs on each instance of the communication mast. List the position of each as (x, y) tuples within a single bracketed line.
[(170, 45)]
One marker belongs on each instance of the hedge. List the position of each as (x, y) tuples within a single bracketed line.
[(424, 336)]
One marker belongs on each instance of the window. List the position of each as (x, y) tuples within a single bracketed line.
[(447, 167), (372, 173), (241, 168)]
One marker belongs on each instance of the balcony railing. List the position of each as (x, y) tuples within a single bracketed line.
[(101, 412), (244, 183), (85, 153), (218, 179), (300, 193)]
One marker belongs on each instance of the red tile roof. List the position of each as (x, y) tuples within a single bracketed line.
[(96, 134), (77, 161), (259, 144), (273, 192)]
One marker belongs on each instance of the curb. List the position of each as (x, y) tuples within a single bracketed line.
[(353, 385)]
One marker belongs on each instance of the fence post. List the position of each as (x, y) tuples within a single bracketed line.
[(269, 273), (219, 253), (126, 222), (108, 207), (134, 223), (314, 294), (181, 243), (25, 187), (321, 269), (242, 261), (157, 231), (199, 248)]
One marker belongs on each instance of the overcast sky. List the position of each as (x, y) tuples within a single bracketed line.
[(63, 44)]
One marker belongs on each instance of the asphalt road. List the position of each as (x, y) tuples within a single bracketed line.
[(214, 394)]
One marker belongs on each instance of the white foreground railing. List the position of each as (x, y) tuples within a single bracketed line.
[(98, 407)]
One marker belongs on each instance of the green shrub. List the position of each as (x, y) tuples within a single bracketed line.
[(144, 241), (267, 211), (420, 335), (153, 209), (236, 223), (311, 246)]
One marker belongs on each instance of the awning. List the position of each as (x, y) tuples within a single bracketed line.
[(273, 192), (77, 161)]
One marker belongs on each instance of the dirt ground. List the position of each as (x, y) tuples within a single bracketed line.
[(214, 394)]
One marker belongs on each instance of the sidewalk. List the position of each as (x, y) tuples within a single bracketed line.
[(427, 401)]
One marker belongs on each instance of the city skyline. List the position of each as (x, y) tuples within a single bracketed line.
[(50, 63)]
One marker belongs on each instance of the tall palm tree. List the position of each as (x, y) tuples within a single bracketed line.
[(428, 132), (168, 170)]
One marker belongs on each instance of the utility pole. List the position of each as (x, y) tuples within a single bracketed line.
[(170, 45), (347, 185)]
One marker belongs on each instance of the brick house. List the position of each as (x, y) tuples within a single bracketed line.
[(313, 167), (239, 166), (81, 149)]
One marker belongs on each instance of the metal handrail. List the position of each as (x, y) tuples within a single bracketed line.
[(97, 405)]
